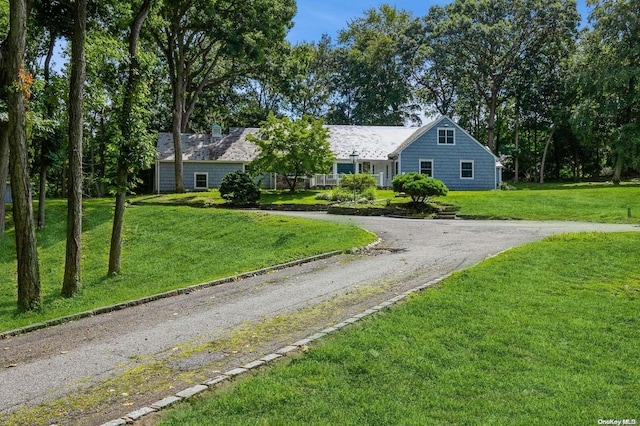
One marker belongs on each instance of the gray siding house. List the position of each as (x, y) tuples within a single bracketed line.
[(206, 158), (7, 195), (441, 149), (445, 151)]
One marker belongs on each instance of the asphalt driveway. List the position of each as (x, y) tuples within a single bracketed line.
[(61, 360)]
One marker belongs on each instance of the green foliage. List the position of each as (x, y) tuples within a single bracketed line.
[(239, 188), (521, 336), (371, 69), (336, 194), (358, 182), (292, 148), (419, 187)]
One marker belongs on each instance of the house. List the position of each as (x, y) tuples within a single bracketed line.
[(7, 194), (207, 158), (441, 149), (445, 151)]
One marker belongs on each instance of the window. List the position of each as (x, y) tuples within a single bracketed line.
[(201, 180), (426, 167), (466, 169), (446, 136)]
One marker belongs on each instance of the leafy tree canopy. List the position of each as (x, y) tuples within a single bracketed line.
[(293, 148)]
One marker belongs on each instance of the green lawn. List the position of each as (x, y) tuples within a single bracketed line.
[(591, 203), (165, 247), (543, 334), (597, 202)]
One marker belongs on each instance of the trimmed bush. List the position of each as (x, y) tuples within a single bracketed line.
[(238, 188), (360, 182), (419, 187)]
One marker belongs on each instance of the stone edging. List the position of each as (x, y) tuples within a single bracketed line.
[(282, 352), (171, 293)]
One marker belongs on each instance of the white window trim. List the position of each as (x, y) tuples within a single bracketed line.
[(195, 181), (473, 169), (446, 129), (420, 165)]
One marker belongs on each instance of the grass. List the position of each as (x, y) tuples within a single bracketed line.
[(164, 248), (589, 202), (542, 334)]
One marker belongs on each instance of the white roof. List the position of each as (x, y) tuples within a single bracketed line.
[(370, 142)]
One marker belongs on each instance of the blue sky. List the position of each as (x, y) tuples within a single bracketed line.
[(316, 17)]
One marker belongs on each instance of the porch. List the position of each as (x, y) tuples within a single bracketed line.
[(331, 180)]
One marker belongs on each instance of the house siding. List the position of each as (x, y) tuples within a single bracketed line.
[(7, 195), (216, 171), (447, 158)]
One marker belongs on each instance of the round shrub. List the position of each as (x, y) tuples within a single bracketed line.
[(239, 189), (419, 187), (360, 182)]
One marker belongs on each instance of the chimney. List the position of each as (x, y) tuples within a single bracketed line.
[(216, 133)]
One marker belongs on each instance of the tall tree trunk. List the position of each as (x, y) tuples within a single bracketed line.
[(516, 159), (4, 172), (617, 170), (492, 119), (72, 266), (133, 82), (44, 149), (176, 130), (26, 249), (544, 154)]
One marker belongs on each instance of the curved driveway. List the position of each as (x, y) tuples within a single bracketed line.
[(58, 360)]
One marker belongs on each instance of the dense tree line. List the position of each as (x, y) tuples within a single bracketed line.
[(552, 100)]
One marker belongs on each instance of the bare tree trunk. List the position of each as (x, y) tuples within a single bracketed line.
[(516, 159), (26, 250), (44, 149), (177, 145), (4, 172), (115, 249), (133, 82), (617, 171), (492, 119), (544, 155), (72, 266)]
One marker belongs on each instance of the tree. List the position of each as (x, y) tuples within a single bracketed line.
[(239, 188), (133, 142), (608, 79), (72, 265), (419, 187), (17, 84), (372, 70), (206, 43), (491, 39), (292, 148)]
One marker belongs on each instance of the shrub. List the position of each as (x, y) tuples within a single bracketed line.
[(419, 187), (360, 182), (369, 194), (239, 188)]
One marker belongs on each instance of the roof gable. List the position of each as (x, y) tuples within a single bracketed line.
[(421, 131)]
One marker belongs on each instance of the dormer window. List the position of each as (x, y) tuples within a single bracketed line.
[(446, 136)]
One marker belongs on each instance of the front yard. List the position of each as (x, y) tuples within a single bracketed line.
[(588, 202)]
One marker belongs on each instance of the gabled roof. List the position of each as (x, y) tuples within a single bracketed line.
[(429, 126), (370, 142), (233, 147)]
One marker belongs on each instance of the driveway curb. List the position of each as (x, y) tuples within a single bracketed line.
[(293, 348)]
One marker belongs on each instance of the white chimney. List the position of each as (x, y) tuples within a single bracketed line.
[(216, 133)]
